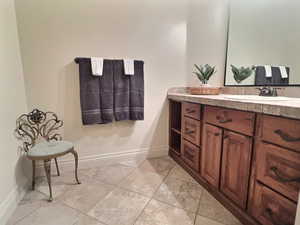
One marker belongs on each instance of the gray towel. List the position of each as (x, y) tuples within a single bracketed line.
[(106, 92), (137, 92), (121, 92), (276, 79), (129, 92), (96, 93)]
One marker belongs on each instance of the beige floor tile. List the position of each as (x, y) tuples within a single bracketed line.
[(209, 207), (157, 213), (68, 177), (179, 193), (157, 165), (133, 163), (112, 174), (34, 197), (85, 196), (120, 207), (22, 211), (205, 221), (57, 190), (86, 220), (52, 214), (31, 202), (179, 173), (145, 183)]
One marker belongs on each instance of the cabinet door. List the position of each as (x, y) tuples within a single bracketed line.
[(211, 154), (235, 173)]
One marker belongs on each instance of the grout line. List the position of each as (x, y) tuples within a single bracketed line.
[(198, 208), (140, 214)]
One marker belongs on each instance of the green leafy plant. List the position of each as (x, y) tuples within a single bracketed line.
[(204, 72), (242, 73)]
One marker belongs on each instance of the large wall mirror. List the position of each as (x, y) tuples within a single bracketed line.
[(263, 43)]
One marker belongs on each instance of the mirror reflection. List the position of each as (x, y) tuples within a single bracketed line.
[(263, 43)]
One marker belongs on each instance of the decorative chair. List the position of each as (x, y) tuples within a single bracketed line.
[(37, 124)]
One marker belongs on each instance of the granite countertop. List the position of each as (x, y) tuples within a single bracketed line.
[(286, 108)]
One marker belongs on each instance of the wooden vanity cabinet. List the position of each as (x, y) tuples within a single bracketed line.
[(226, 154), (250, 162)]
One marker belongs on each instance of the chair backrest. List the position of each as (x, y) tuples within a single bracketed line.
[(31, 126)]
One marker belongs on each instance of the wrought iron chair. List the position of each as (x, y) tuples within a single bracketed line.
[(35, 125)]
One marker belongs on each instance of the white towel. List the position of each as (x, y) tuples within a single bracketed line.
[(283, 72), (268, 69), (97, 66), (129, 66)]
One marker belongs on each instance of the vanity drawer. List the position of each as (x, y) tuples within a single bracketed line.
[(190, 154), (282, 131), (279, 169), (235, 120), (191, 110), (270, 208), (191, 130)]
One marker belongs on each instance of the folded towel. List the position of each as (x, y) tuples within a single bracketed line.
[(121, 92), (268, 70), (96, 93), (276, 79), (89, 94), (129, 92), (283, 72), (136, 94), (97, 66), (107, 92), (129, 66)]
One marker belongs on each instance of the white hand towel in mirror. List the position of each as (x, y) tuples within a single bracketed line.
[(268, 69), (129, 66), (283, 72), (97, 66)]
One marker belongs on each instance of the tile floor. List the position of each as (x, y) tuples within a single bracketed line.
[(152, 192)]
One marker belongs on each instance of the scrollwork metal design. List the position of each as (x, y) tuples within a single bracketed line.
[(31, 126)]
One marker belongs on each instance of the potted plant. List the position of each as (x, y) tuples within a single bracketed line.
[(204, 73), (242, 73)]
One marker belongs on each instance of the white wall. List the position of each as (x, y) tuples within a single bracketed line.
[(12, 100), (207, 38), (54, 32)]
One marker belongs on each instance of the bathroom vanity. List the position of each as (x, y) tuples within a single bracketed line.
[(244, 152)]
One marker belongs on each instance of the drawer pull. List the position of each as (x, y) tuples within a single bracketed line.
[(190, 110), (223, 120), (270, 213), (286, 137), (189, 131), (282, 179)]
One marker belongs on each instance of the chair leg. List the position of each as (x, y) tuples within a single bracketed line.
[(33, 175), (57, 169), (47, 166), (76, 165)]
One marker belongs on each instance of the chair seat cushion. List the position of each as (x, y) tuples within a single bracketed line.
[(48, 149)]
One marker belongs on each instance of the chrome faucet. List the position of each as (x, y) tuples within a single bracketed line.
[(268, 91)]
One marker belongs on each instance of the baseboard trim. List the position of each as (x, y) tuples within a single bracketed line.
[(109, 158), (10, 203)]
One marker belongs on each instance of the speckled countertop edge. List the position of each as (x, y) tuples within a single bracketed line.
[(290, 108)]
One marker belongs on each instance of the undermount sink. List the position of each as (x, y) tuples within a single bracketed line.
[(256, 98)]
